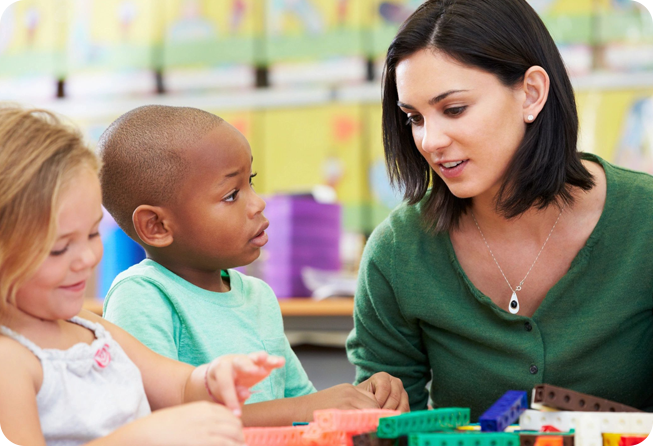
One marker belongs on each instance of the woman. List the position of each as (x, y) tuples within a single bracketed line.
[(525, 262)]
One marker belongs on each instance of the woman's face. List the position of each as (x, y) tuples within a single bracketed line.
[(465, 122)]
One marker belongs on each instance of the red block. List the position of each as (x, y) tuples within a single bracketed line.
[(274, 436), (351, 420), (631, 440)]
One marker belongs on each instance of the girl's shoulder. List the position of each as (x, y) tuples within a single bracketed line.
[(18, 360)]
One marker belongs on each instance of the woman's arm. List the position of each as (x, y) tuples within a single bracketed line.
[(383, 340)]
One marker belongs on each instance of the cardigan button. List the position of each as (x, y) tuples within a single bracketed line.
[(528, 326), (533, 369)]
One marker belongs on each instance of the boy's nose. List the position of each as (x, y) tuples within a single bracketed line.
[(258, 204)]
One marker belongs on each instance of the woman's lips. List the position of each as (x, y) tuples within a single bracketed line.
[(452, 172)]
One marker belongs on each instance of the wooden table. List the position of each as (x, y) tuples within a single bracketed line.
[(291, 307)]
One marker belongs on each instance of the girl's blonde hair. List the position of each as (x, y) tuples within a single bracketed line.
[(39, 154)]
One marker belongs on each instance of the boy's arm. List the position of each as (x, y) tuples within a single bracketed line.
[(283, 412), (140, 307)]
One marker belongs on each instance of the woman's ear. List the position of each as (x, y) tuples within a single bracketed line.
[(536, 89), (152, 226)]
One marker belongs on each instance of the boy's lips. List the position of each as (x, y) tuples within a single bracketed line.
[(261, 238)]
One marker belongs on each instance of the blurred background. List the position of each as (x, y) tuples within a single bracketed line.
[(301, 80)]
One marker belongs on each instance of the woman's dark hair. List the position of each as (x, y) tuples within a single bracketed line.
[(504, 38)]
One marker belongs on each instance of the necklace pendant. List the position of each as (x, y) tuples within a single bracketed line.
[(514, 303)]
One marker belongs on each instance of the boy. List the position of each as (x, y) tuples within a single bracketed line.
[(178, 181)]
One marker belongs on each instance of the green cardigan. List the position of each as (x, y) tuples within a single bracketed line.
[(418, 316)]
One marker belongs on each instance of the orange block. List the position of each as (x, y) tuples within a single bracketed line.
[(549, 440)]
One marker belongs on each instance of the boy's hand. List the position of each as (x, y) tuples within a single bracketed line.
[(342, 396), (228, 378), (388, 391)]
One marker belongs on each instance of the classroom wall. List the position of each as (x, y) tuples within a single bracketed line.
[(315, 117)]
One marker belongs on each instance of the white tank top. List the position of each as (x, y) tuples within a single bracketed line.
[(88, 390)]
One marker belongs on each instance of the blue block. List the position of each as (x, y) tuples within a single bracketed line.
[(504, 412)]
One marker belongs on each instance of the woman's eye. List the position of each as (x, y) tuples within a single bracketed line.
[(455, 111), (414, 120), (232, 196)]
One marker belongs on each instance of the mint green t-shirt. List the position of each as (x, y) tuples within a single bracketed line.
[(184, 322)]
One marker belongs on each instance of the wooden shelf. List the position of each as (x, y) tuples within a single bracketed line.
[(333, 306)]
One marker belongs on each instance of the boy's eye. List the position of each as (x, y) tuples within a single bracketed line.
[(251, 177), (232, 196), (94, 234)]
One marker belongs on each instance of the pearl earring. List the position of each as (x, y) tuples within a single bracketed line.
[(529, 118)]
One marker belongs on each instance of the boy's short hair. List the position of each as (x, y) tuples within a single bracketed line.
[(143, 159)]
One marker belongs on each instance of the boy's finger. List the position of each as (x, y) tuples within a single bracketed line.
[(404, 404), (382, 389), (394, 398)]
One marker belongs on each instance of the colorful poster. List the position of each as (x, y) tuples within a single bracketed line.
[(209, 33), (311, 146), (618, 125), (309, 30), (383, 18), (113, 35), (31, 38)]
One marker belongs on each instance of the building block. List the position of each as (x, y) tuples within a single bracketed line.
[(611, 439), (631, 440), (565, 399), (274, 436), (549, 440), (423, 421), (608, 422), (351, 420), (315, 436), (371, 439), (588, 429), (530, 439), (464, 439), (504, 411)]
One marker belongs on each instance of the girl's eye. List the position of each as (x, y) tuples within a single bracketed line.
[(232, 196), (251, 177), (58, 252), (93, 235), (455, 111), (414, 120)]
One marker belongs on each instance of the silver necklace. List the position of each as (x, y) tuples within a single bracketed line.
[(514, 302)]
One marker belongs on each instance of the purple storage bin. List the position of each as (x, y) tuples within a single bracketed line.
[(302, 233)]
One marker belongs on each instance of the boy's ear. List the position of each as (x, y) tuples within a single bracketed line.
[(152, 225)]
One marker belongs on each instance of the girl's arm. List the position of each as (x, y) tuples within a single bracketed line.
[(169, 383), (20, 377)]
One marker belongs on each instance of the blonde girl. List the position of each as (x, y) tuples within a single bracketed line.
[(67, 377)]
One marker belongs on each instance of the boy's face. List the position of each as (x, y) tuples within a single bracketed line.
[(218, 221)]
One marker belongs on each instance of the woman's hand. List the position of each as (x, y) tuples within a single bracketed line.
[(228, 378), (388, 391)]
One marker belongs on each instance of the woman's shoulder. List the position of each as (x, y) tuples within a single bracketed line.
[(625, 182), (404, 226)]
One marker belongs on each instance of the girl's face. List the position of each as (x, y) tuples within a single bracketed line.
[(56, 291), (465, 123)]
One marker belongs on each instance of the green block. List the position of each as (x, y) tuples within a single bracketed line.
[(423, 421), (464, 439)]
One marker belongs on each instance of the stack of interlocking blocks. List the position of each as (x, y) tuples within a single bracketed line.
[(563, 420)]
